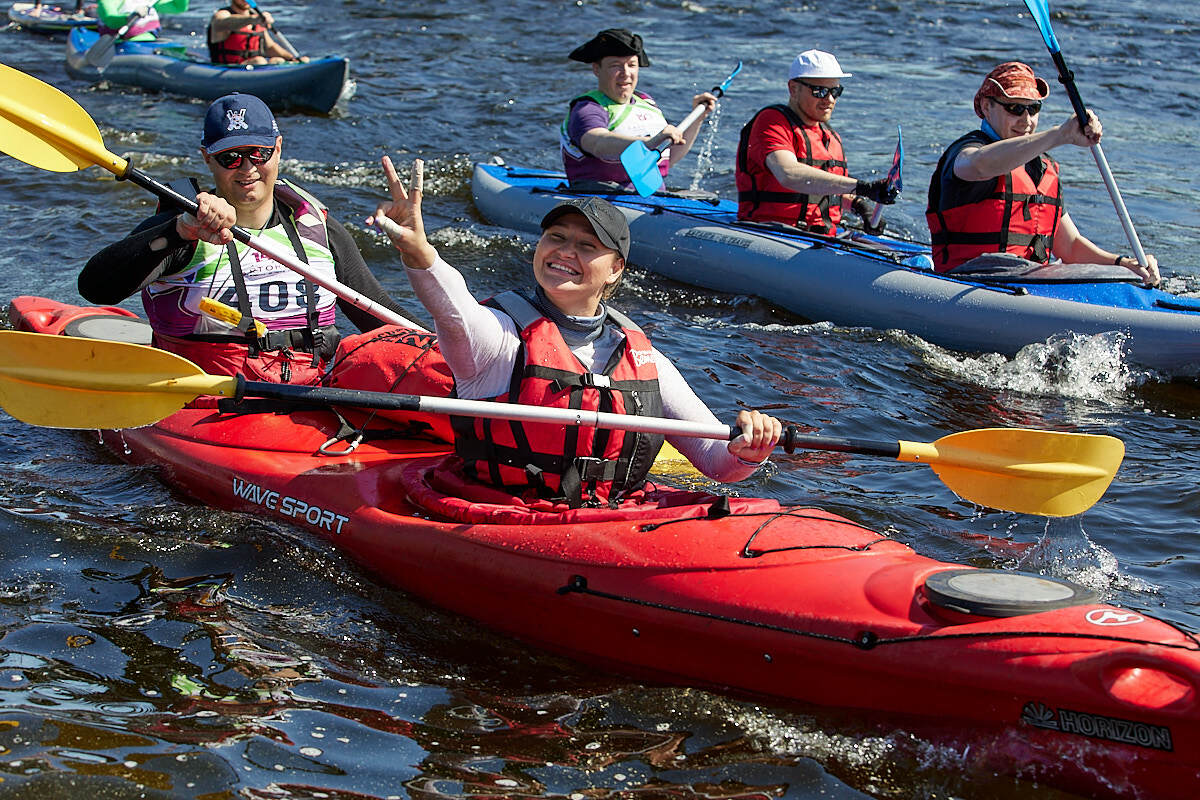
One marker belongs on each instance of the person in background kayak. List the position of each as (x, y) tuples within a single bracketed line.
[(995, 190), (176, 259), (560, 345), (239, 34), (790, 164), (603, 122), (112, 15)]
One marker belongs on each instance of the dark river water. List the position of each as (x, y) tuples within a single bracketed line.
[(151, 647)]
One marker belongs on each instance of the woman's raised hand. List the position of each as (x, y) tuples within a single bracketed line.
[(401, 219)]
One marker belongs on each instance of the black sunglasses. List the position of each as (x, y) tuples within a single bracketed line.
[(232, 159), (1017, 109), (822, 91)]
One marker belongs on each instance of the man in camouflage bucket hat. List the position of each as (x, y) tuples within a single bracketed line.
[(995, 196)]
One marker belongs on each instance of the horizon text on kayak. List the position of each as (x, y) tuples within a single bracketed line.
[(289, 506)]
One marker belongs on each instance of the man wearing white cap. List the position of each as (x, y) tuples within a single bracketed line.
[(790, 163)]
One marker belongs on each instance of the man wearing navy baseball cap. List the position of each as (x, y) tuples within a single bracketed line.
[(176, 259)]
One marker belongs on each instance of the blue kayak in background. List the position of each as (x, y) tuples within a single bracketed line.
[(162, 66), (868, 281), (52, 18)]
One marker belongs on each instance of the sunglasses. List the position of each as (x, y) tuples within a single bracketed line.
[(232, 159), (822, 91), (1017, 109)]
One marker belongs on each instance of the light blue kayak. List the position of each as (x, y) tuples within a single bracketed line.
[(161, 66), (868, 281)]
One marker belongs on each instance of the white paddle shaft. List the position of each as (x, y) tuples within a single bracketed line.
[(1119, 205)]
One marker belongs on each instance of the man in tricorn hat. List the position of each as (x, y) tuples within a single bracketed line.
[(605, 121), (995, 195)]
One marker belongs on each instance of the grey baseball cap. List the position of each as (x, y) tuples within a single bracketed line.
[(607, 222)]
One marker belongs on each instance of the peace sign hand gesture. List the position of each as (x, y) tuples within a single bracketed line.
[(401, 220)]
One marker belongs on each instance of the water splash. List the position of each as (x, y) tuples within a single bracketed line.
[(704, 159), (1066, 551), (1085, 367)]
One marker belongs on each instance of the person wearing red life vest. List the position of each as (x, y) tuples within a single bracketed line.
[(790, 164), (996, 194), (240, 34), (560, 345), (175, 259)]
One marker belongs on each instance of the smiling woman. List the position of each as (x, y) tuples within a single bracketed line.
[(562, 346), (572, 264)]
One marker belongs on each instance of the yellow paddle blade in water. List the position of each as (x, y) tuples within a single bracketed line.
[(47, 129), (1028, 471), (67, 382)]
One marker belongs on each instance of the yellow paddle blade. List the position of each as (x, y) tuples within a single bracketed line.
[(670, 463), (1029, 471), (65, 382), (47, 129)]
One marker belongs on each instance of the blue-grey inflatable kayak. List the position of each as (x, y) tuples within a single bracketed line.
[(162, 66), (868, 281)]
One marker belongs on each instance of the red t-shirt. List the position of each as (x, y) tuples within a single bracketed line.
[(773, 131)]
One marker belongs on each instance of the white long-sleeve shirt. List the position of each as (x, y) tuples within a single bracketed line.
[(481, 344)]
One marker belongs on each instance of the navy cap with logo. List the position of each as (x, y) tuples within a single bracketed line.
[(608, 223), (238, 120)]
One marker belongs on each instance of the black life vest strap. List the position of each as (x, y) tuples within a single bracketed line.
[(243, 296), (311, 314)]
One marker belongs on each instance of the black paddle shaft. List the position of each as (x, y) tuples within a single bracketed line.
[(1067, 79), (165, 192), (793, 440), (327, 396)]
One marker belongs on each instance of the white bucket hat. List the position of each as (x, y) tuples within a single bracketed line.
[(816, 64)]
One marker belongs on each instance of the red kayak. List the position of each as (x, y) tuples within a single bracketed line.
[(739, 594)]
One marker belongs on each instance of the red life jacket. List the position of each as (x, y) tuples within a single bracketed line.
[(573, 463), (1017, 216), (241, 45), (762, 198)]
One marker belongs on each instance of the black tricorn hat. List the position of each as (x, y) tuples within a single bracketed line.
[(611, 42)]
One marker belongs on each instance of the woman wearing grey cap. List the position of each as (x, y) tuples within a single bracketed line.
[(560, 345)]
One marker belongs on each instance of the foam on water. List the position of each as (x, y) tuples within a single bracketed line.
[(1067, 365)]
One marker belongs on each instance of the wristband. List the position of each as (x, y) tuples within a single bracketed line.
[(1117, 261)]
